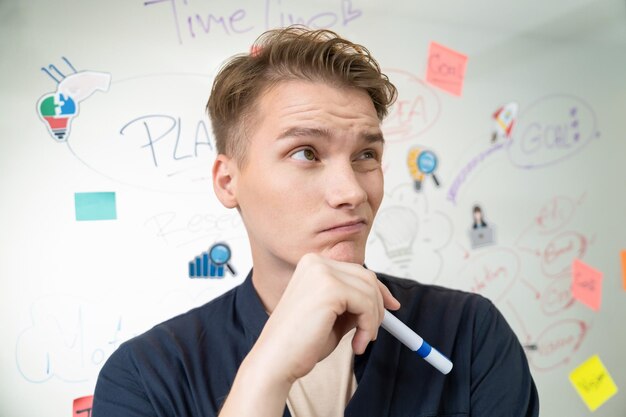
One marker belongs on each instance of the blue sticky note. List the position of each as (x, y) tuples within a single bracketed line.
[(95, 206)]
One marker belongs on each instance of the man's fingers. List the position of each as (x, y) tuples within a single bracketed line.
[(357, 276), (360, 341), (352, 292), (356, 270), (389, 300)]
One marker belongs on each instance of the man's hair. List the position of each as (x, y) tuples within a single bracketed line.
[(292, 53)]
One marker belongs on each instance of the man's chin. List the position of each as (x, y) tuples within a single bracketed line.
[(345, 252)]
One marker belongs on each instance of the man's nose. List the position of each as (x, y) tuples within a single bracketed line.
[(343, 187)]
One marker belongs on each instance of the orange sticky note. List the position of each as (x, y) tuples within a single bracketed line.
[(586, 284), (623, 255), (82, 406), (593, 382), (446, 68)]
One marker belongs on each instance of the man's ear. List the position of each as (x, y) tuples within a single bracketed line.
[(225, 180)]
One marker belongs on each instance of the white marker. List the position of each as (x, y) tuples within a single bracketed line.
[(413, 341)]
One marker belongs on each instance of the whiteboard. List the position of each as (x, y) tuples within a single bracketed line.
[(137, 148)]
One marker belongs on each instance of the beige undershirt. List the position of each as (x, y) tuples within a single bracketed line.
[(327, 389)]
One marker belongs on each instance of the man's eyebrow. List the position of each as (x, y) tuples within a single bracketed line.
[(373, 137), (325, 133), (304, 132)]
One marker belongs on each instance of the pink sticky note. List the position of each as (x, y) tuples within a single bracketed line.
[(586, 284), (446, 68), (82, 406)]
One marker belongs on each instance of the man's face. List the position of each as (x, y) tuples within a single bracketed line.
[(312, 181)]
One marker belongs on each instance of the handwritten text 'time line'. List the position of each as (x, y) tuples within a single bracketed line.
[(191, 22)]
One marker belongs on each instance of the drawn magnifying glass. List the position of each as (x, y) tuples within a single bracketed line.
[(220, 254), (427, 164)]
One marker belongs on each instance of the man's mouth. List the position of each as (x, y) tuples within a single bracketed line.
[(350, 226)]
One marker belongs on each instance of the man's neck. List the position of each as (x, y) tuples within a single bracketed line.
[(270, 281)]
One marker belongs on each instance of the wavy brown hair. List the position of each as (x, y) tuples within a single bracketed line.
[(292, 53)]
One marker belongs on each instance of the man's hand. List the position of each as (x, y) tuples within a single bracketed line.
[(323, 301)]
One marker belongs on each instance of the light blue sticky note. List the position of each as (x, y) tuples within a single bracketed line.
[(95, 206)]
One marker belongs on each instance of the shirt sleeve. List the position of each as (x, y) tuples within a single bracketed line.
[(119, 391), (501, 383)]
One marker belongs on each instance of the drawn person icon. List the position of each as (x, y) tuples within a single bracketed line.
[(479, 220), (480, 234)]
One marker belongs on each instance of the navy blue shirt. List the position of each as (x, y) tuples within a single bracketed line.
[(186, 365)]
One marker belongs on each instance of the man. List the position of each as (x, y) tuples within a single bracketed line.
[(297, 126)]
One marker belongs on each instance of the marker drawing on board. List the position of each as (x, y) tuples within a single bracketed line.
[(413, 341)]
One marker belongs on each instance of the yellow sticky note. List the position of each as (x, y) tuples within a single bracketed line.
[(593, 382)]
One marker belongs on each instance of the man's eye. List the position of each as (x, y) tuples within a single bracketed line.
[(369, 155), (304, 155)]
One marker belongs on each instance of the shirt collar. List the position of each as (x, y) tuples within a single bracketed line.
[(250, 311)]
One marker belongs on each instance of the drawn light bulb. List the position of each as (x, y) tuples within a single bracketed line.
[(57, 110), (396, 227)]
